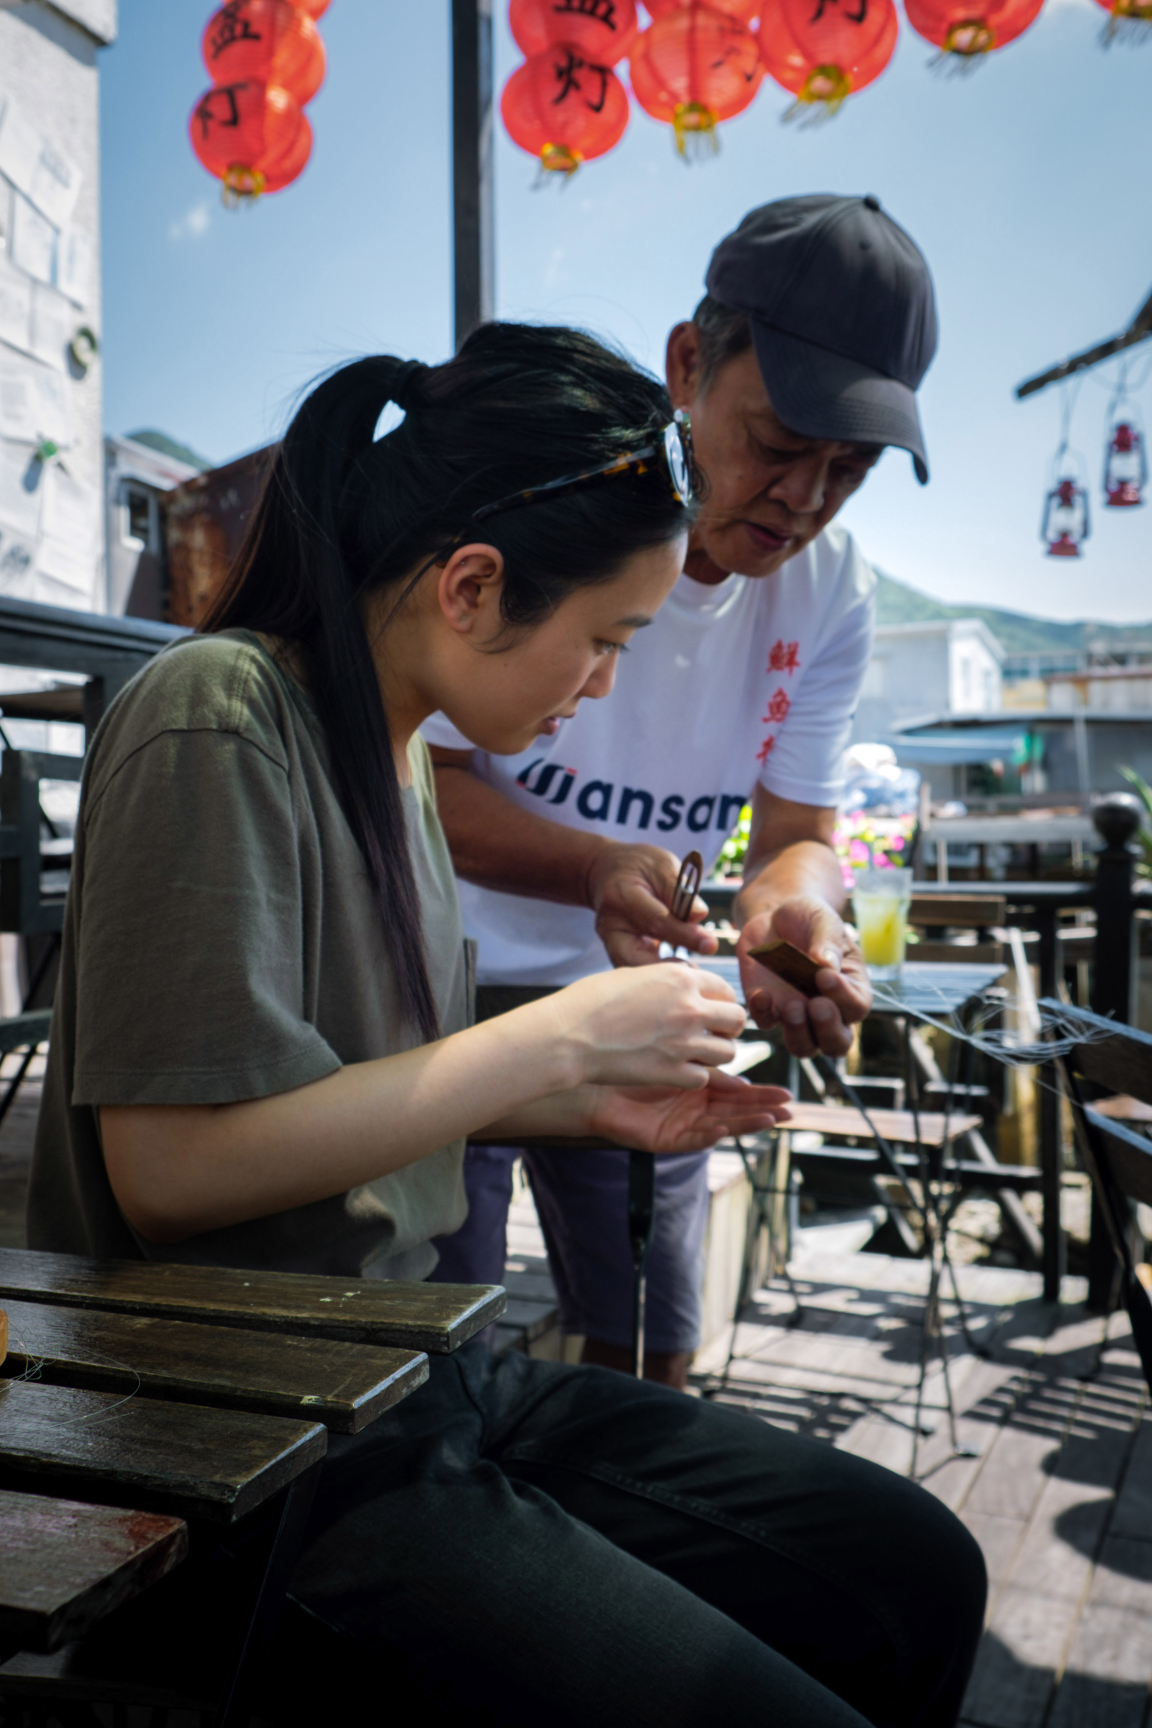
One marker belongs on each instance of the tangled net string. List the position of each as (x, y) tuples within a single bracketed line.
[(1061, 1032)]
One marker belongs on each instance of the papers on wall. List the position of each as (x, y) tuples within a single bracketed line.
[(70, 510), (21, 489), (15, 306), (67, 564), (17, 562), (52, 322), (36, 166), (35, 402), (33, 240), (74, 264)]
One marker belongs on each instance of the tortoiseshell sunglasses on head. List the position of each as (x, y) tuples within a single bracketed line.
[(675, 447)]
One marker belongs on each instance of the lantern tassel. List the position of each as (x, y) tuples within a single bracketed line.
[(694, 131), (823, 94), (1129, 22)]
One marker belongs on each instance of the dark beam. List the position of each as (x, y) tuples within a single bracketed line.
[(1139, 329), (472, 214)]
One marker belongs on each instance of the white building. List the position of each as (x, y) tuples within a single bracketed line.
[(52, 518), (942, 666), (137, 478), (1105, 689)]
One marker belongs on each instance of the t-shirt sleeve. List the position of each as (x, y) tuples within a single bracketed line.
[(439, 730), (190, 949), (807, 763)]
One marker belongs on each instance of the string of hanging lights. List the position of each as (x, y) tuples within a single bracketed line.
[(266, 61), (1065, 522)]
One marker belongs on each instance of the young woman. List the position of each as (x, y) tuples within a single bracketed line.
[(261, 1057)]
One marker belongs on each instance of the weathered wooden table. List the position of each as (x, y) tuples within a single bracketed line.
[(150, 1412)]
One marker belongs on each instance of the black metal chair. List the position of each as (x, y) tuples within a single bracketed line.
[(1107, 1078)]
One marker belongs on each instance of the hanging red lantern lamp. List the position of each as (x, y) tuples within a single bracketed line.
[(1125, 467), (1065, 525), (564, 109), (314, 8), (745, 10), (693, 67), (825, 50), (965, 31), (252, 136), (602, 30), (269, 41)]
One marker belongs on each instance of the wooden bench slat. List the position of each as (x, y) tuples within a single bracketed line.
[(345, 1386), (1129, 1155), (408, 1315), (64, 1565), (181, 1459), (897, 1126)]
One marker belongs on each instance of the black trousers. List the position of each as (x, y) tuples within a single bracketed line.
[(554, 1546)]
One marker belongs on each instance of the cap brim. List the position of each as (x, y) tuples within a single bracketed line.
[(822, 395)]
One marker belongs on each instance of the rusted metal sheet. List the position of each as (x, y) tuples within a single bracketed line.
[(205, 520)]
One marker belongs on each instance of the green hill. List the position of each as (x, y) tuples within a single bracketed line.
[(1019, 632)]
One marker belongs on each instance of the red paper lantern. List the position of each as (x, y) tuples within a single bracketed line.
[(564, 109), (968, 29), (252, 136), (603, 30), (694, 67), (314, 8), (825, 50), (268, 41), (745, 10)]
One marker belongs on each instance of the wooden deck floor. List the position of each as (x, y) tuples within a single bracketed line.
[(1059, 1489)]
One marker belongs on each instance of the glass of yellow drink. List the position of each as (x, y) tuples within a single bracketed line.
[(880, 900)]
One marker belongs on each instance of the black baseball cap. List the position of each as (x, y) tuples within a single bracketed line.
[(843, 316)]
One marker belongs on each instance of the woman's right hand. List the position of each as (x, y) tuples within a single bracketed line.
[(663, 1025)]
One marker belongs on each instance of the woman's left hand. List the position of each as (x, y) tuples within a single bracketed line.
[(665, 1119)]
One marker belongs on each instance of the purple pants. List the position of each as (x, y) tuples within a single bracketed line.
[(582, 1202)]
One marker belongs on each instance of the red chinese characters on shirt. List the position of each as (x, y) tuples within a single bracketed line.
[(777, 709), (782, 657)]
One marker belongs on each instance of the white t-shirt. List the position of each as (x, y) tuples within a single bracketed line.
[(756, 679)]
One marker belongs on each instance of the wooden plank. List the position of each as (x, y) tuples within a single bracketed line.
[(957, 911), (64, 1565), (1119, 1060), (897, 1126), (1127, 1154), (409, 1315), (175, 1458), (344, 1386)]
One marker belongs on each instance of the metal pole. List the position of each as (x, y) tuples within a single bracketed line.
[(641, 1212), (1114, 981), (473, 265), (1054, 1254)]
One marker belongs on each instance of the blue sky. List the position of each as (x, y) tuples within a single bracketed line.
[(1025, 184)]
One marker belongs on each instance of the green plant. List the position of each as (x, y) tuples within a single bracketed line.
[(1144, 836)]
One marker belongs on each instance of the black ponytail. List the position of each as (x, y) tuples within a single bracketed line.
[(343, 515)]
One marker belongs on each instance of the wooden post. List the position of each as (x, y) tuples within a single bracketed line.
[(473, 263), (1114, 980)]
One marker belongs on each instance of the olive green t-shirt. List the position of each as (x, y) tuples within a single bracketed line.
[(220, 943)]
